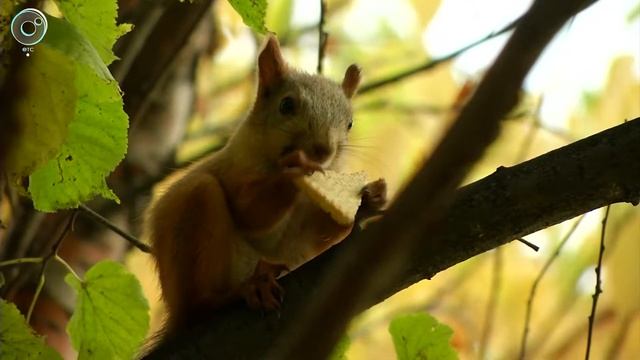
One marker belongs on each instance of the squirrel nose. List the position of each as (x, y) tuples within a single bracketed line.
[(320, 152)]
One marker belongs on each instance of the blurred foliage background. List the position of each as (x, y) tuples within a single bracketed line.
[(588, 80)]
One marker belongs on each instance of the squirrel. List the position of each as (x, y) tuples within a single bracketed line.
[(234, 221)]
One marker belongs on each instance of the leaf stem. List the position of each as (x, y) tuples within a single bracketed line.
[(69, 268)]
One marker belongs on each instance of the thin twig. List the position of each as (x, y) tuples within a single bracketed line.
[(598, 289), (439, 110), (54, 251), (492, 304), (104, 221), (529, 244), (294, 34), (376, 84), (36, 295), (553, 319), (573, 335), (536, 282), (322, 36), (29, 260)]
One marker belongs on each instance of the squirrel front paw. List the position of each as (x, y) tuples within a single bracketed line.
[(374, 199), (296, 164), (262, 290), (374, 194)]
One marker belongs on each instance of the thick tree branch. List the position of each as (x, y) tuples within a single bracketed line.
[(428, 196), (511, 203)]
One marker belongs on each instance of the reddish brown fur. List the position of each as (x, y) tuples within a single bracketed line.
[(193, 252)]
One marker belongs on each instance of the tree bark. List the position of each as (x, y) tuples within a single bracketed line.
[(512, 202)]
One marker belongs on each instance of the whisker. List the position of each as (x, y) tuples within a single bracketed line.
[(356, 146), (366, 158)]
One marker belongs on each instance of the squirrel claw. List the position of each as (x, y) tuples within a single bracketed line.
[(262, 290), (374, 194), (374, 198), (297, 164)]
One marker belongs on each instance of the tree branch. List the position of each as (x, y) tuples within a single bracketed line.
[(511, 203), (432, 63), (536, 282), (45, 261), (598, 290), (322, 36), (428, 196), (111, 226)]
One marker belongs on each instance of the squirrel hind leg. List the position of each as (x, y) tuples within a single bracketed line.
[(194, 246), (261, 290)]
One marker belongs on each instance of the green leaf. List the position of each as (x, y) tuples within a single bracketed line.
[(96, 20), (97, 136), (64, 37), (45, 109), (421, 336), (17, 339), (252, 12), (340, 350), (112, 315)]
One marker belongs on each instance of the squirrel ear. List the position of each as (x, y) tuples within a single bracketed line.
[(351, 80), (271, 65)]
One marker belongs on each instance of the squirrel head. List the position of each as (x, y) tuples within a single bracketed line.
[(299, 111)]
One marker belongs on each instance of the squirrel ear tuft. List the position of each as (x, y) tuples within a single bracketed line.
[(351, 80), (271, 65)]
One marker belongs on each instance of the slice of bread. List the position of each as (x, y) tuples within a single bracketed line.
[(336, 193)]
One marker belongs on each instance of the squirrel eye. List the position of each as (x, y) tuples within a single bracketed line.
[(350, 124), (287, 106)]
